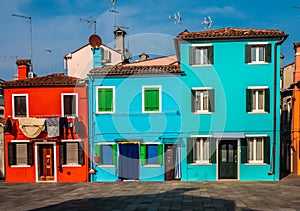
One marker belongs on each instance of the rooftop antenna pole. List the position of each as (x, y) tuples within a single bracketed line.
[(30, 22), (114, 10), (50, 52), (90, 22)]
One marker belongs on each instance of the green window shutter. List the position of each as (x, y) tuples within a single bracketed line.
[(81, 153), (244, 151), (210, 50), (12, 154), (247, 53), (248, 100), (193, 100), (212, 149), (114, 154), (98, 153), (30, 160), (268, 53), (267, 100), (192, 55), (62, 153), (211, 104), (105, 99), (160, 153), (189, 152), (143, 154), (151, 99), (267, 150)]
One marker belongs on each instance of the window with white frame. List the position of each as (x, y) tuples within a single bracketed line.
[(202, 100), (20, 153), (70, 105), (255, 149), (151, 154), (20, 105), (201, 150), (105, 154), (201, 55), (105, 99), (151, 101), (258, 99), (71, 153), (258, 53)]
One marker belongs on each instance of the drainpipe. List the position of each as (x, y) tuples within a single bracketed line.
[(275, 105)]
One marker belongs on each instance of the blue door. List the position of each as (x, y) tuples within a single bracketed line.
[(129, 161)]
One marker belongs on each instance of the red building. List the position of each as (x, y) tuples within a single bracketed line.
[(46, 128)]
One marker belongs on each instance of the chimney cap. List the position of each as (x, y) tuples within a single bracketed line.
[(23, 62), (119, 31), (144, 54), (296, 44)]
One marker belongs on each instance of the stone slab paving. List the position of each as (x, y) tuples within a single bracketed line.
[(218, 196)]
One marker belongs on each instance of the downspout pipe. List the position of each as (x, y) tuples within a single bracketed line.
[(272, 172)]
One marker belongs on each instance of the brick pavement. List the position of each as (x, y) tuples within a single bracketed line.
[(220, 195)]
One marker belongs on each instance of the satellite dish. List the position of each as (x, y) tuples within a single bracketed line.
[(95, 41)]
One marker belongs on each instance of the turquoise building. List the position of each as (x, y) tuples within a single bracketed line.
[(213, 115), (231, 124)]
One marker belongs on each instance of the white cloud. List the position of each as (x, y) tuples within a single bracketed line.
[(227, 11)]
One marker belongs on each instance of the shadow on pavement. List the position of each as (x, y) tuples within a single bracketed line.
[(177, 199)]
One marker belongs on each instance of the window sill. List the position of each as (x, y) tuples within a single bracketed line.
[(20, 166), (71, 165), (201, 65), (104, 112), (258, 63), (152, 112), (257, 112), (202, 112), (201, 164), (152, 165), (256, 164), (106, 166)]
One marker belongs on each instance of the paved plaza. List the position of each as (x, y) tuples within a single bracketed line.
[(220, 195)]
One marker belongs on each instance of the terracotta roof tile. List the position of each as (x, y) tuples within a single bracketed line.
[(118, 70), (166, 60), (231, 33), (54, 80)]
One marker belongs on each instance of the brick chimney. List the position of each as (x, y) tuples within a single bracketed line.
[(297, 62), (23, 68)]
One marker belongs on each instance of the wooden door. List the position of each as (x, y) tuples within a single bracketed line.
[(46, 165), (170, 162), (228, 159)]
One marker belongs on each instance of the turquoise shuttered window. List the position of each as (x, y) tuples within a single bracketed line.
[(105, 154), (105, 100), (255, 149), (258, 53), (201, 150), (151, 154), (151, 99), (258, 100), (201, 55)]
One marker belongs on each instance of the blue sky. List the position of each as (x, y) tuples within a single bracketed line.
[(56, 26)]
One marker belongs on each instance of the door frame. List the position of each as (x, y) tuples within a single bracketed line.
[(37, 160), (237, 153)]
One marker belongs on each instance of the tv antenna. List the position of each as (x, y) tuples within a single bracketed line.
[(91, 22), (207, 22), (176, 17)]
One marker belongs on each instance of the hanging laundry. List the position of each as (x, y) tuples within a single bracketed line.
[(63, 127), (8, 126), (31, 127), (52, 125)]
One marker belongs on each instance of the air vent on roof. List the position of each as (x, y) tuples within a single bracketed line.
[(30, 75), (106, 55)]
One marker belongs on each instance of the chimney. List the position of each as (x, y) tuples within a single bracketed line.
[(97, 57), (297, 62), (143, 56), (119, 36), (23, 68)]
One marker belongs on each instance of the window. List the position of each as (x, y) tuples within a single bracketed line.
[(69, 105), (202, 100), (71, 153), (151, 154), (201, 55), (201, 150), (258, 53), (151, 99), (20, 105), (258, 99), (105, 154), (20, 153), (255, 149), (105, 100)]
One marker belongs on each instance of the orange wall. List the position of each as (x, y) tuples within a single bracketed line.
[(47, 102), (296, 131)]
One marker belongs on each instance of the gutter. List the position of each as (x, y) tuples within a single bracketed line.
[(275, 106)]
